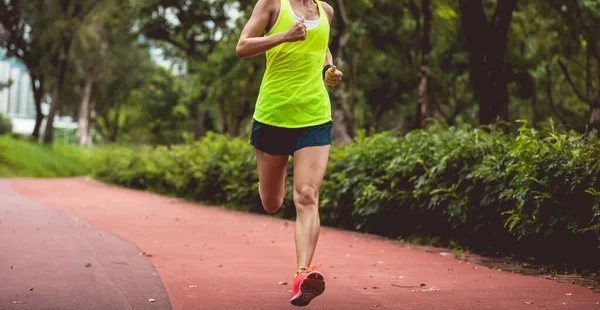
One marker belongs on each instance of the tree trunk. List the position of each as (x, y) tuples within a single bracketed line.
[(594, 122), (245, 108), (459, 105), (114, 133), (535, 117), (9, 88), (353, 87), (487, 41), (49, 131), (38, 92), (57, 89), (550, 97), (423, 75), (199, 122), (83, 130), (340, 128), (91, 124), (405, 124), (223, 128), (236, 126)]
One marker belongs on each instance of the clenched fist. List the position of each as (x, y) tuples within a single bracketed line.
[(297, 32), (333, 76)]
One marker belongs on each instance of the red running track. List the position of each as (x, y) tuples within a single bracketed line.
[(211, 258)]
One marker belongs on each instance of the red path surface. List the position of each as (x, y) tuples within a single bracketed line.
[(210, 258)]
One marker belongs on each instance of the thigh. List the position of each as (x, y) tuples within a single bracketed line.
[(271, 174), (310, 164)]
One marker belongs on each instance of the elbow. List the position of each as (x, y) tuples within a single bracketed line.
[(240, 51)]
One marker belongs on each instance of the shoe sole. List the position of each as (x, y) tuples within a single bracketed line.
[(310, 288)]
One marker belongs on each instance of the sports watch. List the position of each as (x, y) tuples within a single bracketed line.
[(327, 67)]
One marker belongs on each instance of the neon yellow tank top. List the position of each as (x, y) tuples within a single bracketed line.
[(293, 93)]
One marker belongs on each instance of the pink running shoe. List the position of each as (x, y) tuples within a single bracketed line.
[(308, 284)]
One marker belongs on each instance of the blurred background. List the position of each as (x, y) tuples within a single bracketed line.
[(151, 71), (468, 123)]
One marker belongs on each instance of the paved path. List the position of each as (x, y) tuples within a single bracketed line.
[(52, 261), (210, 258)]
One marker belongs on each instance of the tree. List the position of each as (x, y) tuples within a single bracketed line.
[(61, 21), (126, 70), (24, 42), (337, 44), (450, 92), (468, 61), (108, 29), (487, 43), (423, 18), (89, 52), (152, 112), (231, 86), (194, 27), (423, 75), (582, 19)]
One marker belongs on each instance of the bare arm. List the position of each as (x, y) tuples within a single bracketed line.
[(328, 57), (329, 11), (251, 42), (333, 76)]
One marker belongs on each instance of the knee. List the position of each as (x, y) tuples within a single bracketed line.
[(306, 197), (272, 205)]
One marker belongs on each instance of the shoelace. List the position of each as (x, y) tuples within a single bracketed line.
[(309, 269)]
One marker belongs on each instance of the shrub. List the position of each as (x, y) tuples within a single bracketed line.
[(5, 125), (531, 194), (215, 170)]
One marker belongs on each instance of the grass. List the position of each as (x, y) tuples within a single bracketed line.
[(23, 158)]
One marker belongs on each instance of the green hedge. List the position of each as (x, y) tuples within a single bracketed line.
[(529, 194), (5, 125)]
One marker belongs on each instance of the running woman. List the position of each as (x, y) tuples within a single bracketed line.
[(293, 117)]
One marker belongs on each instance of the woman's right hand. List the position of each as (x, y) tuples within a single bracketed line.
[(252, 39), (297, 32)]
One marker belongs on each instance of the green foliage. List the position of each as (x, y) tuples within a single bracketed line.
[(533, 194), (5, 125), (155, 112), (551, 64), (22, 158), (216, 169)]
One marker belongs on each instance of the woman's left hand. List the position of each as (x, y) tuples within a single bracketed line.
[(333, 76)]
